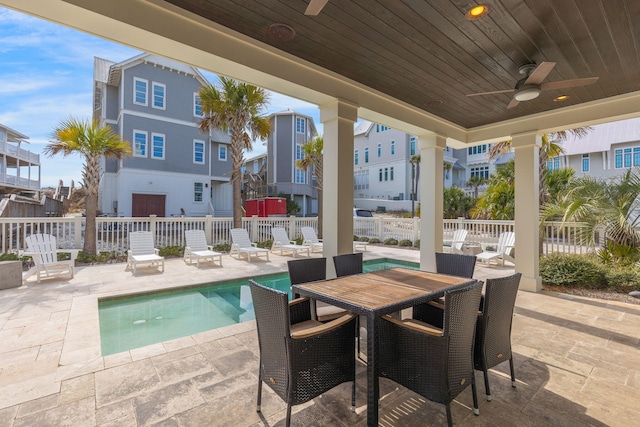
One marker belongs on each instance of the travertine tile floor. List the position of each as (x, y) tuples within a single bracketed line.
[(577, 363)]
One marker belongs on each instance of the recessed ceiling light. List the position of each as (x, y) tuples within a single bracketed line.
[(561, 98), (281, 32), (477, 12), (433, 103)]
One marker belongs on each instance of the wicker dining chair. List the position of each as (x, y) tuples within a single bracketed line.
[(433, 362), (348, 264), (451, 264), (493, 332), (311, 270), (301, 358)]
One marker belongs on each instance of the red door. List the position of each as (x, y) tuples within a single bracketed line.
[(148, 204)]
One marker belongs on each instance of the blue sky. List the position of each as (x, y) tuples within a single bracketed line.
[(47, 75)]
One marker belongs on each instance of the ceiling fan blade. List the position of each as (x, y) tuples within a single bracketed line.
[(569, 83), (540, 73), (315, 6), (491, 93), (513, 103)]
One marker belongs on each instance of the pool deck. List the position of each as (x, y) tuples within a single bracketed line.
[(577, 362)]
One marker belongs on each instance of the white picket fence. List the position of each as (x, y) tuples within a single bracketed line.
[(112, 233)]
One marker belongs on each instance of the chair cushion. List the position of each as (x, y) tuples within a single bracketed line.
[(326, 312)]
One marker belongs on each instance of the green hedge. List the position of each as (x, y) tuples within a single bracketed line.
[(587, 271)]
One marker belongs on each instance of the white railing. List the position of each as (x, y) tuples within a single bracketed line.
[(112, 233)]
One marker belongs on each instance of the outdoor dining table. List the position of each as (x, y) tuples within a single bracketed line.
[(373, 295)]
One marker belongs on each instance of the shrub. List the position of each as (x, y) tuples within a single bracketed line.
[(356, 238), (405, 242), (364, 239), (416, 244), (222, 247), (171, 251), (623, 279), (101, 258), (299, 240), (374, 240), (572, 270), (9, 257), (390, 241), (265, 244)]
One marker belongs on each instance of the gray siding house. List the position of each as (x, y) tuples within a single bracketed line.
[(275, 172), (175, 169)]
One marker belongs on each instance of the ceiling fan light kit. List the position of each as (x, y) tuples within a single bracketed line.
[(527, 93)]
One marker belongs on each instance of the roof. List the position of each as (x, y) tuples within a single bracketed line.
[(14, 135), (109, 72), (601, 137)]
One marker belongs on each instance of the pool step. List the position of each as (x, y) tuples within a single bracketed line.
[(228, 303)]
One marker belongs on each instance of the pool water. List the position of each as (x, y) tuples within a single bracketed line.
[(136, 321)]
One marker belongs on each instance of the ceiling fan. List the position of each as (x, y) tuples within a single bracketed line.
[(530, 86), (315, 6)]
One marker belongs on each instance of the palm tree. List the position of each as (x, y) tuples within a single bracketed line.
[(549, 149), (312, 157), (612, 205), (236, 107), (476, 181), (498, 201), (415, 176), (92, 141)]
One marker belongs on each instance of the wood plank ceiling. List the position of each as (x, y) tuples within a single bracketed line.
[(426, 53)]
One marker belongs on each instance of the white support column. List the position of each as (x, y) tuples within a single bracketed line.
[(527, 215), (338, 119), (431, 202)]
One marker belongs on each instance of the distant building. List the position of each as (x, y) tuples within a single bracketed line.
[(276, 172), (175, 169), (19, 168)]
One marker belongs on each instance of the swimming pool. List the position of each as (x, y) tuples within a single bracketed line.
[(136, 321)]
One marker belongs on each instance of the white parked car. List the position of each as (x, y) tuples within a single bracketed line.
[(361, 225)]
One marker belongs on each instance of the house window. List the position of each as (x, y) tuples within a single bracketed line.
[(381, 128), (585, 162), (299, 176), (380, 172), (256, 167), (198, 189), (393, 148), (553, 164), (413, 145), (391, 174), (299, 153), (481, 171), (139, 143), (300, 125), (140, 91), (366, 155), (157, 146), (159, 91), (355, 157), (379, 150), (198, 152), (386, 174), (636, 156), (197, 105), (222, 152)]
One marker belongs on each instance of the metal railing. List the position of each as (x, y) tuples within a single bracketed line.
[(112, 232)]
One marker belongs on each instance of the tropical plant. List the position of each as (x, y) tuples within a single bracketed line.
[(498, 201), (456, 203), (292, 206), (92, 141), (476, 181), (557, 182), (415, 178), (313, 158), (235, 107), (601, 204)]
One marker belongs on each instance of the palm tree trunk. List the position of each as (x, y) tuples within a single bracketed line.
[(91, 178), (236, 166), (320, 213)]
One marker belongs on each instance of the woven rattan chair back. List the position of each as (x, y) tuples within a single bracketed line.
[(307, 270), (436, 367), (348, 264), (493, 333), (455, 264)]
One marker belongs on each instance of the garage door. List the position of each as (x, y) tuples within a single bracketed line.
[(148, 204)]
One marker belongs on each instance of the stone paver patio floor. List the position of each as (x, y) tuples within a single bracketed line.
[(577, 362)]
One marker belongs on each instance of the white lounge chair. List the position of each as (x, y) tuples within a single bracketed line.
[(281, 241), (241, 244), (43, 250), (505, 244), (310, 238), (454, 246), (196, 247), (142, 251)]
